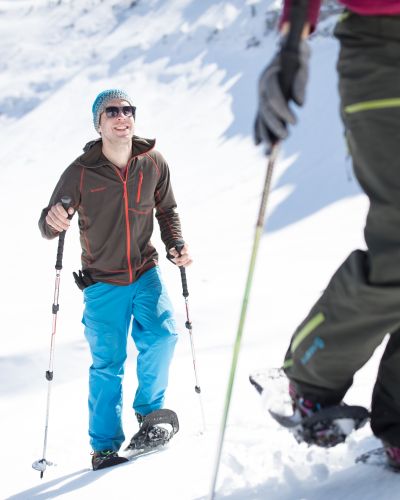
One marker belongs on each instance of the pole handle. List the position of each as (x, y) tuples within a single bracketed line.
[(66, 203), (179, 244), (185, 291)]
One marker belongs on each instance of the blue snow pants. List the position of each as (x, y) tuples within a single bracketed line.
[(107, 317)]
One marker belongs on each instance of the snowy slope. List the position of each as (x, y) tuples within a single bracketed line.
[(192, 68)]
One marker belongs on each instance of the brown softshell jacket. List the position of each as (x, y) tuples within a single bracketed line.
[(116, 214)]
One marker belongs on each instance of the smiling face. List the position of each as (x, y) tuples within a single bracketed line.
[(117, 130)]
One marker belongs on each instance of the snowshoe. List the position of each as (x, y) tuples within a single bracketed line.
[(326, 427), (385, 456), (309, 422), (156, 429), (106, 458)]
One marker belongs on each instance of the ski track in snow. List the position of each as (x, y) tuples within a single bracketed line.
[(192, 67)]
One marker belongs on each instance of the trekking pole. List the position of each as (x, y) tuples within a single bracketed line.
[(41, 464), (256, 241), (185, 292)]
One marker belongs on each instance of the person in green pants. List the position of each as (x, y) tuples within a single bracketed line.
[(361, 303)]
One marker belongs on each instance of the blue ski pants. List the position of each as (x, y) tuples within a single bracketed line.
[(107, 317)]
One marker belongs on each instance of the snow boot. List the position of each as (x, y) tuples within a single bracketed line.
[(155, 433), (106, 458), (156, 429), (310, 422), (324, 426)]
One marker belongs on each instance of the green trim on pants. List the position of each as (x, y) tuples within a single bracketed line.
[(375, 104), (309, 327), (361, 301)]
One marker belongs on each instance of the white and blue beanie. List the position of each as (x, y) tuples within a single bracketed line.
[(101, 101)]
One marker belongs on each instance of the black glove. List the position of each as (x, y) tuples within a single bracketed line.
[(282, 81), (83, 279)]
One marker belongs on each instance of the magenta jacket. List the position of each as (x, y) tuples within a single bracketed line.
[(363, 7)]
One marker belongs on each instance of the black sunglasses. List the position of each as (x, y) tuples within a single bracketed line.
[(114, 111)]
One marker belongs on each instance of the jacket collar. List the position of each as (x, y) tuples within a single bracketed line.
[(93, 156)]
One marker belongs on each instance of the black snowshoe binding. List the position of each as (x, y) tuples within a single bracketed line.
[(326, 427), (309, 422), (106, 458), (156, 429)]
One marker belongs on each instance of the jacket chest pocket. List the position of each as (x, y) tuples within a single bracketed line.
[(139, 187), (142, 194)]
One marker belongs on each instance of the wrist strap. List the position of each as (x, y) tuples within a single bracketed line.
[(297, 19)]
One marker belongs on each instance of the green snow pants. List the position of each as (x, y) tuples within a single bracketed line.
[(361, 304)]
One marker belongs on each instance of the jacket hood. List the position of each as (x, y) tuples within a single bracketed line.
[(94, 157)]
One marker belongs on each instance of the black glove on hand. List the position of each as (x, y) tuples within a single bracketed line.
[(282, 81)]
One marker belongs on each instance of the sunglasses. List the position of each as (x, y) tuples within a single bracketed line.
[(114, 111)]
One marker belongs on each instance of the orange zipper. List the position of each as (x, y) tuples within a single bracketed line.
[(139, 190), (128, 230)]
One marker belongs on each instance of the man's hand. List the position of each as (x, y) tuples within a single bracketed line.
[(184, 259), (282, 81), (57, 217)]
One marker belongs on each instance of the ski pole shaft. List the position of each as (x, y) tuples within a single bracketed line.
[(188, 325), (197, 388), (66, 201), (236, 349)]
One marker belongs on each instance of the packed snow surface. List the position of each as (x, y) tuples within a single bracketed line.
[(192, 68)]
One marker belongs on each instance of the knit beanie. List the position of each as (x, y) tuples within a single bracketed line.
[(101, 101)]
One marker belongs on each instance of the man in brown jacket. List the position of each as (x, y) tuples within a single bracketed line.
[(115, 186)]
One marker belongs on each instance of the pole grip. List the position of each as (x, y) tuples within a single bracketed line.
[(185, 291), (66, 202), (179, 245)]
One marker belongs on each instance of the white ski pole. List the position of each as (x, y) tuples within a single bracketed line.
[(41, 464)]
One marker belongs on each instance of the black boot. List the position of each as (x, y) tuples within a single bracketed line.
[(106, 458)]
